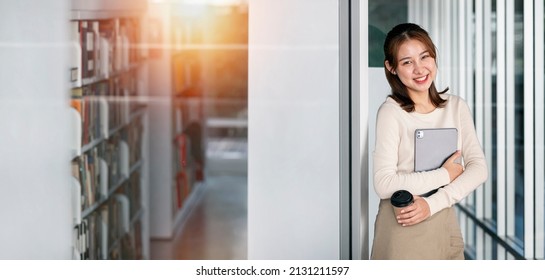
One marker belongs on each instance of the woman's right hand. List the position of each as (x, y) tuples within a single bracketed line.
[(454, 169)]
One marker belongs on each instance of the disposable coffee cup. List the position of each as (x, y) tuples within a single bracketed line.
[(400, 200)]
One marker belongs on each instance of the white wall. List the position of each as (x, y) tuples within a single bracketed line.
[(35, 194), (378, 89), (293, 168), (161, 138)]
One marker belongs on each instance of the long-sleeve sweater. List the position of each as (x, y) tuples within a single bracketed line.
[(394, 153)]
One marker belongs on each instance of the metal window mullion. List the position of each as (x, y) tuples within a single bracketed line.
[(479, 113), (471, 233), (479, 87), (462, 59), (411, 11), (436, 35), (470, 48), (344, 125), (502, 253), (510, 115), (462, 220), (487, 105), (539, 129), (446, 50), (425, 14), (435, 15), (488, 241), (501, 118), (469, 28), (462, 52), (462, 48), (360, 106), (417, 11), (455, 52), (528, 129)]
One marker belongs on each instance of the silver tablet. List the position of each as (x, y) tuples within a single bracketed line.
[(433, 146)]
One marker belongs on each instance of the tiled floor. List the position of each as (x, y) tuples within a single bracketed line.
[(215, 229)]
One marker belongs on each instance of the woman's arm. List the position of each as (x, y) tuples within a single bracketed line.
[(475, 173), (387, 178)]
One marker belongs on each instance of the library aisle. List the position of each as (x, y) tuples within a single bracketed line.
[(216, 227)]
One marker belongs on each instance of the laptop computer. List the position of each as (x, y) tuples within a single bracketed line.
[(433, 146)]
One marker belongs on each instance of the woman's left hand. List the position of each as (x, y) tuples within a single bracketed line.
[(414, 213)]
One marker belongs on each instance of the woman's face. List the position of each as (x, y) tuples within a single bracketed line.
[(416, 67)]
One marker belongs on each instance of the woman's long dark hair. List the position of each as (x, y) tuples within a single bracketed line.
[(395, 38)]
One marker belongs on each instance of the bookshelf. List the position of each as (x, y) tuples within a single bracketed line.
[(109, 121), (177, 172)]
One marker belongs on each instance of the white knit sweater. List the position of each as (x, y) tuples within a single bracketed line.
[(394, 153)]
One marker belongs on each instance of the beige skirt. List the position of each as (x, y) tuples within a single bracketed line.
[(437, 238)]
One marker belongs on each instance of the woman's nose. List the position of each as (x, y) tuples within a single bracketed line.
[(418, 67)]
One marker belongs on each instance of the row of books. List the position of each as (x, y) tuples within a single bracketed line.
[(110, 232), (106, 165), (112, 153), (87, 102), (183, 170), (87, 171), (105, 106), (133, 134), (106, 55), (101, 48), (186, 70)]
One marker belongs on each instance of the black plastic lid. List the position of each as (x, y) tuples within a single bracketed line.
[(401, 198)]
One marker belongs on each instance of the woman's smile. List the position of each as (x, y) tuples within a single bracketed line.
[(422, 80)]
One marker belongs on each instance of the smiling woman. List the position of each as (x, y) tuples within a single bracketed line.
[(427, 228)]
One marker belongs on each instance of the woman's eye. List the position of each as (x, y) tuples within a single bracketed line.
[(406, 62)]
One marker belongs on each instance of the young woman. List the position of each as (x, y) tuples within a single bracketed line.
[(428, 228)]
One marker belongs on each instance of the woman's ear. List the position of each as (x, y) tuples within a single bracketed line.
[(389, 67)]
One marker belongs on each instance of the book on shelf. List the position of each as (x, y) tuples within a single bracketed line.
[(75, 55), (94, 237), (86, 169), (136, 239), (103, 230), (127, 247), (134, 193), (76, 99), (88, 184), (106, 46), (87, 39), (85, 100), (81, 240), (180, 73), (133, 135), (112, 156)]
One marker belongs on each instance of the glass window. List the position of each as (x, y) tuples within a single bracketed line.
[(383, 16), (519, 122), (493, 31), (493, 177)]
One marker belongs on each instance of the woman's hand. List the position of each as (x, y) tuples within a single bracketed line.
[(454, 169), (414, 213)]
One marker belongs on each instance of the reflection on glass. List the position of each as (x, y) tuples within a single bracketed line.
[(210, 69), (383, 16), (494, 176), (519, 122), (471, 239)]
